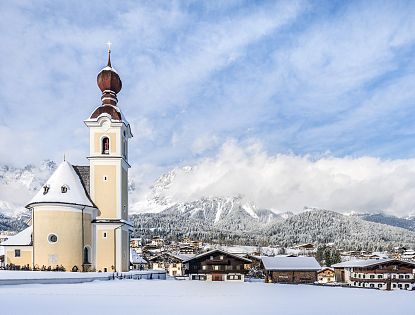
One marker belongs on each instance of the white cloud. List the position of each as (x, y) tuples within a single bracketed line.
[(290, 182)]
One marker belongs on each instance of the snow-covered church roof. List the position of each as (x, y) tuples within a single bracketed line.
[(23, 238), (64, 186)]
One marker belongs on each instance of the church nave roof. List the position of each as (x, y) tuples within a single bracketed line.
[(64, 186)]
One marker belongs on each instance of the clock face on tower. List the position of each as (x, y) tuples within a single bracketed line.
[(106, 125)]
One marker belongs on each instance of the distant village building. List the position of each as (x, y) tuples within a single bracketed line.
[(408, 255), (80, 215), (172, 263), (137, 262), (306, 249), (385, 274), (135, 242), (326, 275), (287, 269), (217, 265), (187, 249), (157, 242)]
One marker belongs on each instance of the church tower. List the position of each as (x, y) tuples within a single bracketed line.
[(108, 158)]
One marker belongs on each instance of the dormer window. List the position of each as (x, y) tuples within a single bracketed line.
[(64, 189), (105, 145), (46, 189)]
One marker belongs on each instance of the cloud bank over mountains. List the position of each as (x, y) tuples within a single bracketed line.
[(290, 182)]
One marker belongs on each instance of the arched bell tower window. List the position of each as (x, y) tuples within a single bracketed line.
[(105, 145)]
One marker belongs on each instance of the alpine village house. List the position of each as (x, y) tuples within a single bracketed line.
[(217, 265), (80, 216)]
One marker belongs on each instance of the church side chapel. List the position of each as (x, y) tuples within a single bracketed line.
[(80, 216)]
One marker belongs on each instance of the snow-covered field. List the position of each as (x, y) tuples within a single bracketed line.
[(194, 297)]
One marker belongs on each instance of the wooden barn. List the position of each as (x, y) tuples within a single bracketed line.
[(288, 269)]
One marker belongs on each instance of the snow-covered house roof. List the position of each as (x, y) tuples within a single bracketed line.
[(290, 263), (326, 268), (362, 263), (64, 186), (24, 238), (136, 258)]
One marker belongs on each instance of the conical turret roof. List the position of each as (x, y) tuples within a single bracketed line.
[(64, 186)]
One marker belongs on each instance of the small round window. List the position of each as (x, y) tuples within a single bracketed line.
[(52, 238)]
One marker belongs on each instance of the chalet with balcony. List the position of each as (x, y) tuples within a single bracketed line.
[(290, 269), (217, 265), (384, 274)]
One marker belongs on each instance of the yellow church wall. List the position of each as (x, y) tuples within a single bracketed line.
[(105, 190), (125, 250), (67, 225), (97, 141), (124, 194), (105, 249), (24, 259)]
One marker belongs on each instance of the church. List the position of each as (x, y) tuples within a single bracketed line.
[(80, 215)]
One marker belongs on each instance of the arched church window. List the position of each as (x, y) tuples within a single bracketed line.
[(86, 255), (64, 189), (105, 145)]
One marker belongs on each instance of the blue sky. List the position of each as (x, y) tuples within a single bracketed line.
[(303, 78)]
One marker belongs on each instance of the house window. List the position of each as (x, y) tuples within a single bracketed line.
[(380, 276), (221, 257), (211, 257), (64, 189), (379, 285), (372, 276), (204, 267), (52, 238), (17, 253), (372, 285), (105, 178), (394, 285), (174, 265), (406, 276), (199, 277), (238, 267), (400, 276), (104, 235), (105, 145), (46, 189)]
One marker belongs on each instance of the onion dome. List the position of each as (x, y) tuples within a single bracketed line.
[(109, 83)]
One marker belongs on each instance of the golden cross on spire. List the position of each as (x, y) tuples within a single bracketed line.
[(109, 46)]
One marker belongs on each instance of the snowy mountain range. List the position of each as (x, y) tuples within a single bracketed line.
[(226, 219)]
